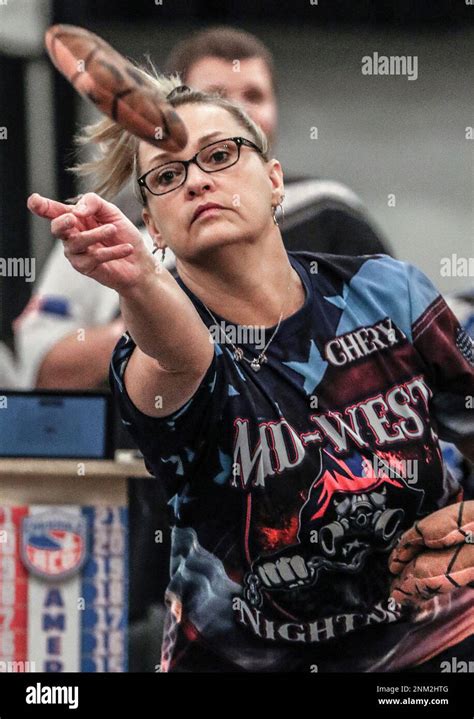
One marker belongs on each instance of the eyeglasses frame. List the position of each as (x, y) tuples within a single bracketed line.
[(239, 141)]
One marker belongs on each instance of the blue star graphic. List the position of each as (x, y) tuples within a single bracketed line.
[(175, 459), (178, 460), (178, 500), (313, 370), (338, 300), (190, 453), (226, 463)]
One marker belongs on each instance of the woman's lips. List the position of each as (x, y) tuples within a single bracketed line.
[(208, 212)]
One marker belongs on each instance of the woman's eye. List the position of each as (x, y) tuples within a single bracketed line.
[(219, 156), (166, 177)]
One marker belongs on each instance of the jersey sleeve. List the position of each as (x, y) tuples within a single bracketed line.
[(175, 443), (448, 352)]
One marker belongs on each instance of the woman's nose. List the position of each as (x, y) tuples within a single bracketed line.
[(197, 181)]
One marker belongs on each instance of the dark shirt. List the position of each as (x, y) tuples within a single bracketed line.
[(320, 216), (290, 486)]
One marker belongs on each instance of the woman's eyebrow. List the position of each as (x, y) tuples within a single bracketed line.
[(163, 156)]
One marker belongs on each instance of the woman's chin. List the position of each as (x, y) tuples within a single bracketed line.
[(210, 238)]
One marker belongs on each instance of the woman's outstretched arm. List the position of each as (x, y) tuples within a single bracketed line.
[(174, 349)]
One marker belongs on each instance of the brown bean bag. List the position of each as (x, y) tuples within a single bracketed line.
[(434, 556), (114, 85)]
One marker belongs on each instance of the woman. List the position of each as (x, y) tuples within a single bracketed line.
[(291, 404)]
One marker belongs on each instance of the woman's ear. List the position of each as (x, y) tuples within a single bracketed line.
[(275, 174), (153, 230)]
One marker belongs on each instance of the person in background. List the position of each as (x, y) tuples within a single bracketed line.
[(8, 370)]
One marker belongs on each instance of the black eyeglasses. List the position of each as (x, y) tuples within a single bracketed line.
[(211, 158)]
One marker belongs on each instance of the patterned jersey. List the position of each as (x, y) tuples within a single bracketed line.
[(289, 486)]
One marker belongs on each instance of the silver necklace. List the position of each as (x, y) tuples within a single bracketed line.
[(256, 362)]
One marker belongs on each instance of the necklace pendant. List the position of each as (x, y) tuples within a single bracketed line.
[(238, 354), (255, 365)]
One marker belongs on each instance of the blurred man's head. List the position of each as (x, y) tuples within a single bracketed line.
[(234, 63)]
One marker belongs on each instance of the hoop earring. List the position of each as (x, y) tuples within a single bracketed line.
[(163, 252), (274, 211)]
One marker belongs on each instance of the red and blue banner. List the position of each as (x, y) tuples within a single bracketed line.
[(64, 588)]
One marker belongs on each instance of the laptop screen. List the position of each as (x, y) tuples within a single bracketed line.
[(56, 424)]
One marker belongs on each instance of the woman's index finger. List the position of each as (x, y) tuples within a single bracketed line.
[(44, 207)]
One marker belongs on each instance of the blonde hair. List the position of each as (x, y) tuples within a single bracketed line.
[(117, 159)]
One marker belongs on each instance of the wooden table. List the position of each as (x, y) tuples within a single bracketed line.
[(67, 481)]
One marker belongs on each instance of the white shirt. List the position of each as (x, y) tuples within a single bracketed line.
[(63, 301)]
